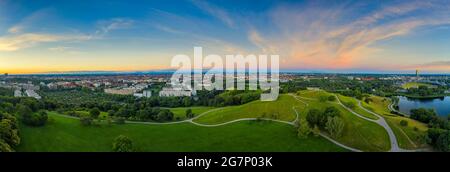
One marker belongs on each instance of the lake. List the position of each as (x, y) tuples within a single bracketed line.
[(441, 105)]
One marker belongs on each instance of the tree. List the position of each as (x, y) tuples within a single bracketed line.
[(335, 126), (332, 112), (4, 147), (331, 98), (303, 129), (8, 133), (111, 113), (165, 115), (27, 116), (316, 117), (94, 112), (368, 100), (122, 144), (404, 123), (187, 101), (443, 142), (189, 113)]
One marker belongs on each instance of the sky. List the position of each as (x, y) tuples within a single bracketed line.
[(43, 36)]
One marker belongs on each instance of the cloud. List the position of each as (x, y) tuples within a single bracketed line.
[(15, 29), (167, 29), (216, 12), (324, 37), (431, 66), (60, 49), (17, 42), (106, 26)]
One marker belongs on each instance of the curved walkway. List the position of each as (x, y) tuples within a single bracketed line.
[(382, 122), (293, 123), (391, 108)]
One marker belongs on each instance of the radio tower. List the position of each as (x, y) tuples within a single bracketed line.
[(417, 74)]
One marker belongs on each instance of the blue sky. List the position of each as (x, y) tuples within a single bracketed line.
[(376, 36)]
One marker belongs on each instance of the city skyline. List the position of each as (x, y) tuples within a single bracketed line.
[(366, 36)]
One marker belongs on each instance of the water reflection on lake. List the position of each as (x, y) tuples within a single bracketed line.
[(441, 105)]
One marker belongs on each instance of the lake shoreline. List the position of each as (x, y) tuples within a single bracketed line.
[(440, 104)]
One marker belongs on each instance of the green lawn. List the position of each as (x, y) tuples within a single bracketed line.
[(358, 133), (407, 137), (357, 109), (414, 85), (181, 111), (280, 109), (65, 134)]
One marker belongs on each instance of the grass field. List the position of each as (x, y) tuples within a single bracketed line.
[(181, 111), (407, 137), (414, 85), (357, 109), (66, 134), (280, 109), (358, 133)]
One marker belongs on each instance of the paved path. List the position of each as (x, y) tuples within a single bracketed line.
[(391, 108), (293, 123), (380, 121)]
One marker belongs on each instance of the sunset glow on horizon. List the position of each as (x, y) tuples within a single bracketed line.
[(363, 36)]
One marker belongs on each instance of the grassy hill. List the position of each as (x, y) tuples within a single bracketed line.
[(414, 85), (66, 134), (280, 109), (181, 111), (408, 137), (358, 133)]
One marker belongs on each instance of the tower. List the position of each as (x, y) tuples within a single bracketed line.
[(417, 73)]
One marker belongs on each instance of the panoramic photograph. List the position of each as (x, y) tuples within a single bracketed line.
[(240, 76)]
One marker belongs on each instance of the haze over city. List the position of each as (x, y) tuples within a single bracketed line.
[(364, 36)]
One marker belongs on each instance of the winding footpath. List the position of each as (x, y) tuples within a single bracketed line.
[(381, 121)]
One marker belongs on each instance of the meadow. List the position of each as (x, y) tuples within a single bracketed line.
[(64, 134), (408, 137), (281, 109)]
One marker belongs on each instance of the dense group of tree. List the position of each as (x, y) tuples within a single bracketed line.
[(439, 132), (328, 120), (424, 91), (145, 109), (339, 84), (28, 111)]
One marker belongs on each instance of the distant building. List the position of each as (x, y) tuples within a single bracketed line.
[(175, 92), (145, 93), (17, 93), (124, 91), (32, 93)]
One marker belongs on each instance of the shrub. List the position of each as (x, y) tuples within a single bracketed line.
[(86, 120), (94, 112), (331, 98), (404, 123), (35, 119), (303, 129), (189, 113), (122, 144), (350, 105)]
